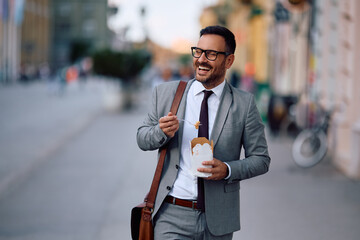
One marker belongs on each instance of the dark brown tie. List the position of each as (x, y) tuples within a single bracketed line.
[(203, 132)]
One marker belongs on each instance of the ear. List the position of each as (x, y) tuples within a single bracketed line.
[(229, 61)]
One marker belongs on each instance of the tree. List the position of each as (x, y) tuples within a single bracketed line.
[(124, 66)]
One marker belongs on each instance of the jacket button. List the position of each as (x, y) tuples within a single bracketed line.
[(177, 166), (168, 188)]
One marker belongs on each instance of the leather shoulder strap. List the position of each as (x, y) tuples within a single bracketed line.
[(150, 199)]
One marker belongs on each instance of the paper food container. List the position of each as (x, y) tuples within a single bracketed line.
[(201, 150)]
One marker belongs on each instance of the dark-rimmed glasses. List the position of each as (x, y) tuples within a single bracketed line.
[(209, 54)]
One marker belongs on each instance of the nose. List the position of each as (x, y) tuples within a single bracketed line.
[(202, 57)]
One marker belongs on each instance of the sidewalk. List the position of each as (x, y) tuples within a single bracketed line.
[(35, 122), (293, 203)]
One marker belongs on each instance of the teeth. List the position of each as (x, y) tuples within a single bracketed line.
[(204, 68)]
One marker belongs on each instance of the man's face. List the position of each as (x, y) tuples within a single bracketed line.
[(212, 73)]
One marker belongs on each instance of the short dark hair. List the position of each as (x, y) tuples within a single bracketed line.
[(225, 33)]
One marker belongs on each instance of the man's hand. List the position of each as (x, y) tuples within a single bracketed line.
[(219, 169), (169, 124)]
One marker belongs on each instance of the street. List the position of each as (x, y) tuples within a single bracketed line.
[(69, 169)]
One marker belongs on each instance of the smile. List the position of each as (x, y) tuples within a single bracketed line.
[(204, 68)]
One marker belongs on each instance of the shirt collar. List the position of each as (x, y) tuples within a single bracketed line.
[(198, 88)]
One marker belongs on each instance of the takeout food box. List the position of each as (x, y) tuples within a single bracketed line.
[(201, 150)]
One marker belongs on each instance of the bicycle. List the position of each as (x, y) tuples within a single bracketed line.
[(311, 145)]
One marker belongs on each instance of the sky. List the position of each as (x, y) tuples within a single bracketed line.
[(168, 21)]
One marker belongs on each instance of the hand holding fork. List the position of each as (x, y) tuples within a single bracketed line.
[(169, 124)]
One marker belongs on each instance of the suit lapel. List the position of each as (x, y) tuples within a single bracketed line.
[(224, 106)]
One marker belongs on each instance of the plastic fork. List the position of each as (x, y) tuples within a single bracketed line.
[(197, 124)]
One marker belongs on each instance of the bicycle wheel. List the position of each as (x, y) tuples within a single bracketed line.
[(309, 148)]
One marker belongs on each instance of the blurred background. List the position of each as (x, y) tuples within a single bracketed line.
[(75, 83)]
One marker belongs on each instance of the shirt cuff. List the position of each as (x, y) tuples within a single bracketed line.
[(228, 176)]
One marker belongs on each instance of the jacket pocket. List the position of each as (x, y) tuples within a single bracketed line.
[(232, 187)]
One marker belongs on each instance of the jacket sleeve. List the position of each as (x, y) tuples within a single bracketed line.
[(257, 160), (149, 135)]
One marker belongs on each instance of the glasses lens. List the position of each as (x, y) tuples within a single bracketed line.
[(211, 55), (196, 52)]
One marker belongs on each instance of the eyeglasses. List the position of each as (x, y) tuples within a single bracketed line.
[(209, 54)]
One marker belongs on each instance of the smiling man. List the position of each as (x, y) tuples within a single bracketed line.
[(188, 207)]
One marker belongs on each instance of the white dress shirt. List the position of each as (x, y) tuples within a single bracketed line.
[(185, 186)]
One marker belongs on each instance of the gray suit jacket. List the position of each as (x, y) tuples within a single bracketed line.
[(237, 124)]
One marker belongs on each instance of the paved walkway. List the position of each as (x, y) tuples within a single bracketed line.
[(293, 203), (36, 120)]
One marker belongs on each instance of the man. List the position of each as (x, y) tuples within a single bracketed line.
[(233, 122)]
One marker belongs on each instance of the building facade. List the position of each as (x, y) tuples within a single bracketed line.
[(77, 26), (37, 34), (337, 74), (11, 18), (35, 37)]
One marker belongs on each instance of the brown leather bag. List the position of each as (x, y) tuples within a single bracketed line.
[(141, 215)]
